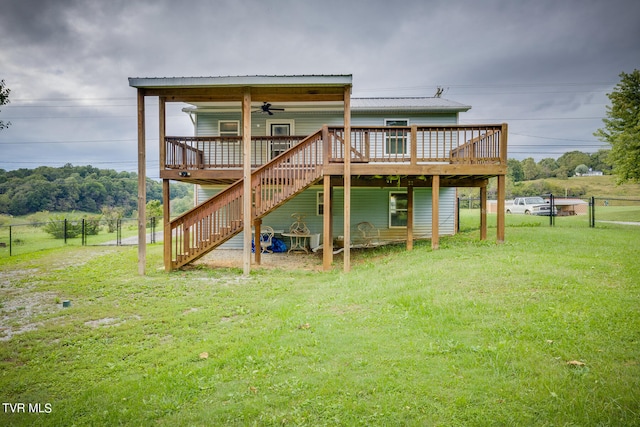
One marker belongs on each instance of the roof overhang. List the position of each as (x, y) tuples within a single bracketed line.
[(232, 88)]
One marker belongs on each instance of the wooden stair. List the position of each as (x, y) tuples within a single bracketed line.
[(207, 226)]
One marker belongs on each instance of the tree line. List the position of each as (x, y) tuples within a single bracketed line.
[(568, 165), (75, 188)]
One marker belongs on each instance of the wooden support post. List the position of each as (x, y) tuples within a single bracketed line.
[(435, 213), (327, 224), (347, 178), (410, 217), (246, 176), (166, 223), (502, 185), (483, 212), (414, 145), (142, 187), (501, 208), (256, 239)]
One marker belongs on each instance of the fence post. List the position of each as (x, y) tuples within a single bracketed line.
[(552, 217), (592, 213), (10, 241), (118, 233), (458, 216), (65, 231), (83, 240)]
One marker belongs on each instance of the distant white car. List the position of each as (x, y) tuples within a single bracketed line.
[(530, 206)]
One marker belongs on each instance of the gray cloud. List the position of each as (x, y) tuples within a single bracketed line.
[(544, 66)]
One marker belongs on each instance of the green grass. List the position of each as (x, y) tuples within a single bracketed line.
[(473, 334)]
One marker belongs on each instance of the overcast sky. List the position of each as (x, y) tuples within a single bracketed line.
[(542, 66)]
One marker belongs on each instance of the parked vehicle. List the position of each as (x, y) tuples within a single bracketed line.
[(530, 206)]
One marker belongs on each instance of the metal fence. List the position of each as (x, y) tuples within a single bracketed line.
[(614, 210), (19, 239), (587, 212)]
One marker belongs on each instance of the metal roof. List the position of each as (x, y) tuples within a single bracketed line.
[(256, 80), (406, 104)]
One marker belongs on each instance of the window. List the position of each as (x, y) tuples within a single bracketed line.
[(229, 127), (396, 140), (398, 209), (320, 203), (279, 128)]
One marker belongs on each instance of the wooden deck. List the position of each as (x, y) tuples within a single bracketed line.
[(455, 153)]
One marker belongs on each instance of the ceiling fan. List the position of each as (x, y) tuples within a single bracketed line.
[(266, 108)]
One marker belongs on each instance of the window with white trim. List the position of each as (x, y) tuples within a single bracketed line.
[(229, 127), (396, 140), (320, 203), (398, 209)]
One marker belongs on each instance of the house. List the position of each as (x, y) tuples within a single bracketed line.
[(274, 146)]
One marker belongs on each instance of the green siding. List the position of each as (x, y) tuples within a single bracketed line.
[(367, 204)]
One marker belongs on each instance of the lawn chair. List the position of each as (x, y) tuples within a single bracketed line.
[(369, 233), (266, 239)]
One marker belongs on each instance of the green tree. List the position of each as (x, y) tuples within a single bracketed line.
[(548, 167), (514, 170), (530, 169), (570, 160), (599, 161), (4, 100), (622, 127), (581, 169)]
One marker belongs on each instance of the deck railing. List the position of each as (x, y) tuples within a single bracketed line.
[(471, 144), (206, 226), (419, 144), (215, 152)]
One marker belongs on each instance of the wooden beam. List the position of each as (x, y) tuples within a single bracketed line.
[(501, 206), (166, 223), (162, 118), (257, 223), (435, 213), (347, 179), (483, 212), (142, 187), (258, 94), (246, 175), (410, 217), (327, 225)]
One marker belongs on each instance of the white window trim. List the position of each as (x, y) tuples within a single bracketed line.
[(397, 210), (386, 124), (319, 202), (226, 133), (290, 122)]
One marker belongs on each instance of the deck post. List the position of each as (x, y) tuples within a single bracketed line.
[(483, 212), (246, 176), (410, 216), (502, 185), (166, 192), (327, 224), (166, 223), (347, 179), (142, 187), (501, 212), (256, 239), (435, 213)]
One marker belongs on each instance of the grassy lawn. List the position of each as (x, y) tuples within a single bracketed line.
[(542, 330)]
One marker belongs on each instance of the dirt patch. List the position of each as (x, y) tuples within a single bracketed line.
[(221, 258), (106, 321), (20, 304)]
